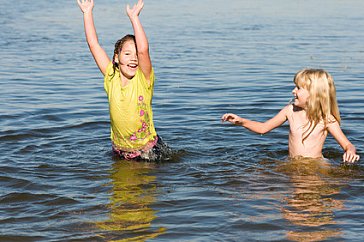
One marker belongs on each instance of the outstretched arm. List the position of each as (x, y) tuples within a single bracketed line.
[(350, 151), (257, 127), (145, 63), (99, 54)]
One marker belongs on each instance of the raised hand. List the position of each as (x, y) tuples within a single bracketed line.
[(86, 5), (135, 10)]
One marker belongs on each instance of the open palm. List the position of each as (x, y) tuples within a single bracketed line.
[(135, 10), (85, 5)]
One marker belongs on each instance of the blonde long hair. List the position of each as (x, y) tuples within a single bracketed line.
[(322, 104)]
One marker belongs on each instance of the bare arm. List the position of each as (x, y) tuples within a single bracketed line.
[(257, 127), (144, 61), (350, 150), (99, 54)]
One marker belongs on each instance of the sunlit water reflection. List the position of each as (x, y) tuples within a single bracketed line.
[(60, 182)]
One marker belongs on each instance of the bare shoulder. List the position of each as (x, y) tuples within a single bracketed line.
[(292, 111), (288, 109), (284, 113)]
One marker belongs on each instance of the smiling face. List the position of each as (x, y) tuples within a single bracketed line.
[(301, 96), (315, 93), (127, 59)]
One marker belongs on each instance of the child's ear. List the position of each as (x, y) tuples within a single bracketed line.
[(116, 59)]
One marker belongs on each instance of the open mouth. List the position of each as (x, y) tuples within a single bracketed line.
[(293, 100), (132, 66)]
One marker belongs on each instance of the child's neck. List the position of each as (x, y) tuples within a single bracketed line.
[(124, 80), (298, 109)]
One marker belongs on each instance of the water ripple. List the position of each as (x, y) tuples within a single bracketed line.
[(60, 181)]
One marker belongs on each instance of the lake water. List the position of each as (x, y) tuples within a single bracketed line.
[(60, 182)]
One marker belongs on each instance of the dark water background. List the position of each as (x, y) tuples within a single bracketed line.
[(60, 182)]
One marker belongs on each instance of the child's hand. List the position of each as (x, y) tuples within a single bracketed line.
[(85, 5), (135, 10), (350, 154), (232, 118)]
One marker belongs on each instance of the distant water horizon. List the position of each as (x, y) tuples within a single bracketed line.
[(59, 180)]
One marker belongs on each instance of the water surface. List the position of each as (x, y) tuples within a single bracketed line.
[(60, 182)]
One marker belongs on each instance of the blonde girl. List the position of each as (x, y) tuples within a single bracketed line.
[(311, 117)]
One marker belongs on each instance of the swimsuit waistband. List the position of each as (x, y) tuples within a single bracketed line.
[(131, 154)]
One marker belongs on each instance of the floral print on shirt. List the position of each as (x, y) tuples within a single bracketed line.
[(143, 130)]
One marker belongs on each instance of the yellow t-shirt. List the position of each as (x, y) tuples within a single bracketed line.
[(130, 107)]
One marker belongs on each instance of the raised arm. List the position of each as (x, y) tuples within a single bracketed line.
[(257, 127), (144, 61), (350, 150), (99, 54)]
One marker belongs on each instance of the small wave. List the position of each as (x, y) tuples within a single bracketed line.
[(13, 237), (24, 197), (14, 135)]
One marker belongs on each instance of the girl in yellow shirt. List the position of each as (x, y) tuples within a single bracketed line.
[(128, 82)]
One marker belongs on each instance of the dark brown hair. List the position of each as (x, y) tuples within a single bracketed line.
[(118, 47)]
